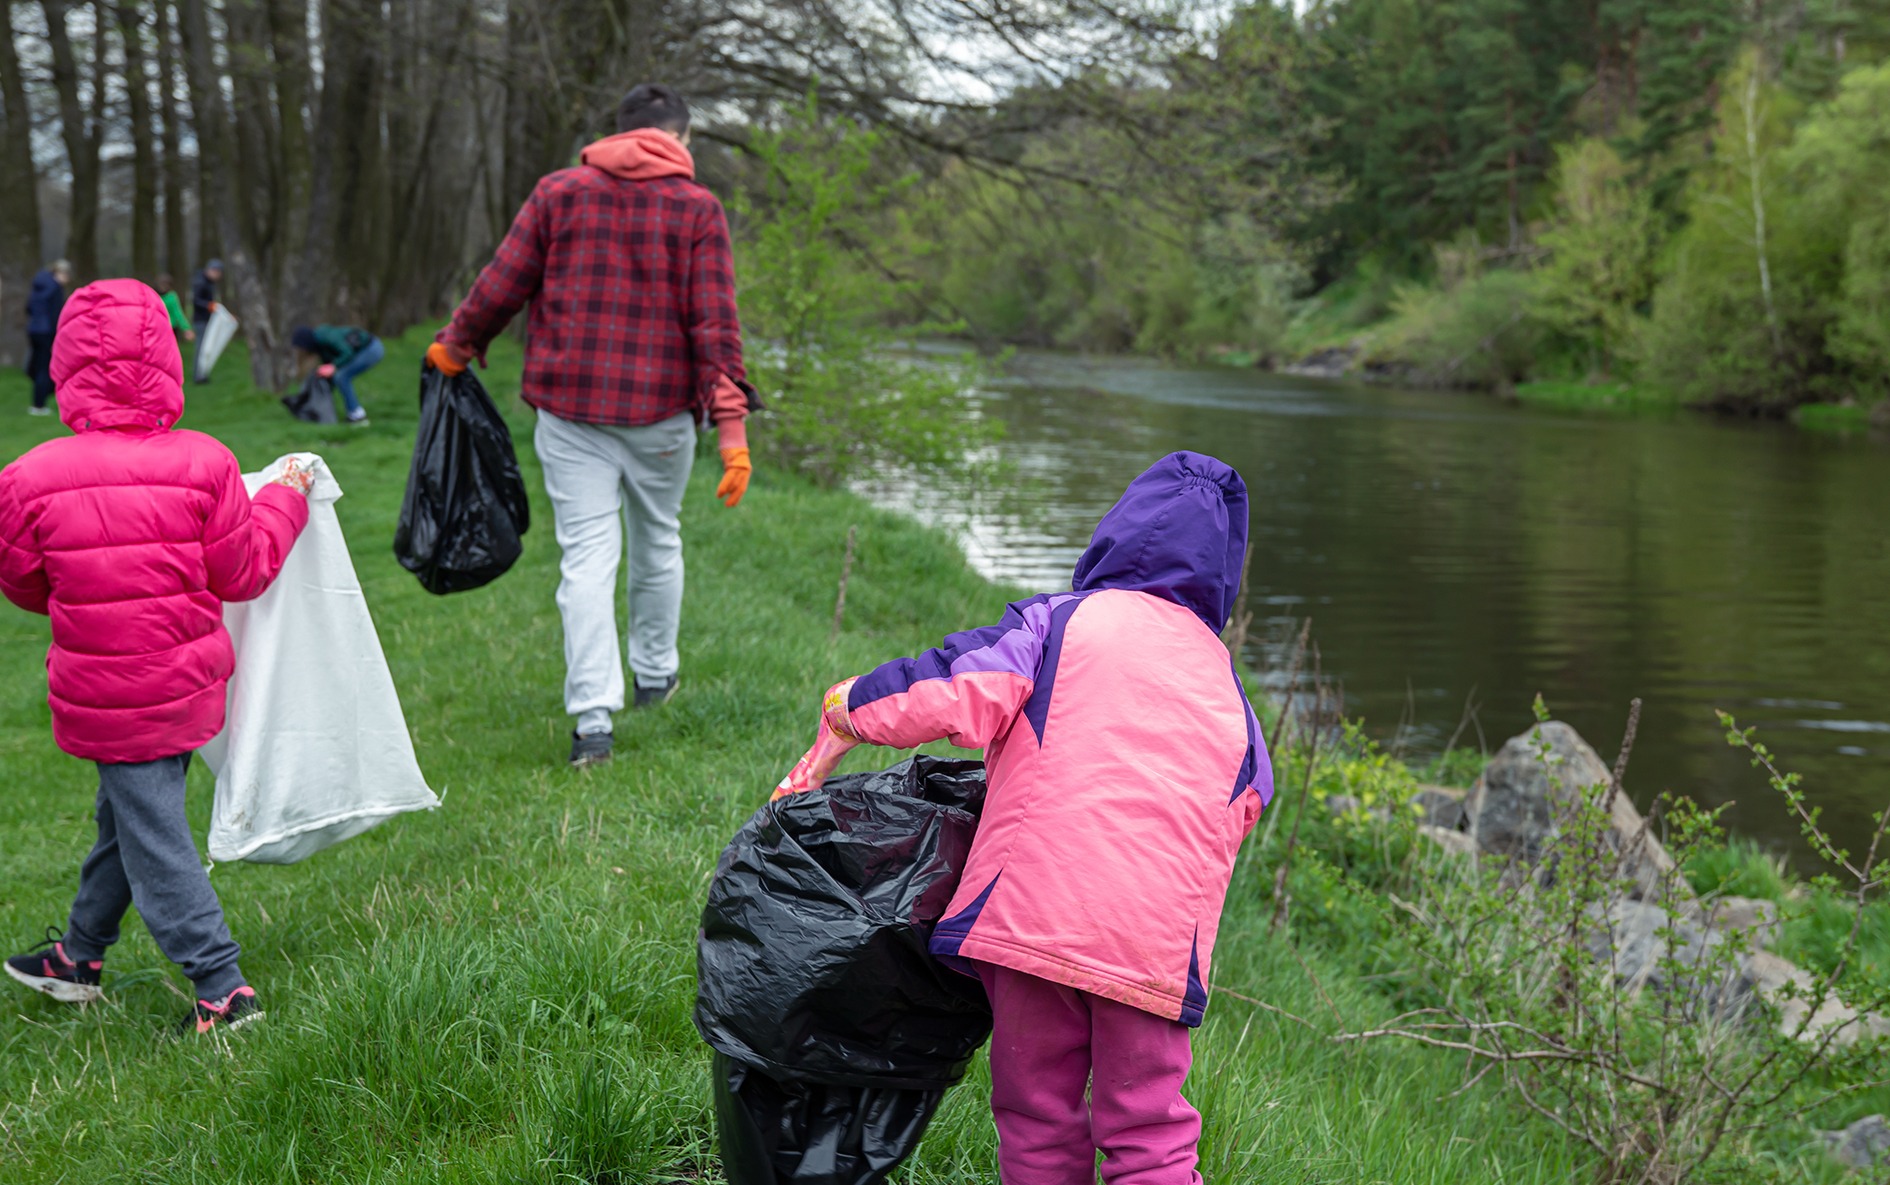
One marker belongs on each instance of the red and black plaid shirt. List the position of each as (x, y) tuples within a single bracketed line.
[(632, 288)]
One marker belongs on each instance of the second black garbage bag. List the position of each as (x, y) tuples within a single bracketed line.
[(315, 402), (465, 511), (837, 1033)]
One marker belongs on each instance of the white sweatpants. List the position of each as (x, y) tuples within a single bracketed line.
[(606, 484)]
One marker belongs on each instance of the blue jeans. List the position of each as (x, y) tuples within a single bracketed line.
[(365, 359)]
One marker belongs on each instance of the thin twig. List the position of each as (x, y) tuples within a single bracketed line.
[(1243, 617), (1621, 760), (1292, 683), (1292, 1016), (846, 574)]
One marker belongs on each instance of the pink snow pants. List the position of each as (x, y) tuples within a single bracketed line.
[(1050, 1044)]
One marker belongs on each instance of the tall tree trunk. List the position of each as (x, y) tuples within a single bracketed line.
[(19, 198), (81, 131), (255, 168), (144, 182), (268, 355), (177, 254), (288, 31)]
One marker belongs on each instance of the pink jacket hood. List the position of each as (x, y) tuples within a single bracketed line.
[(642, 155), (115, 362)]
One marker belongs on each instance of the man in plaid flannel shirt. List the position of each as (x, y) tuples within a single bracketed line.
[(625, 262)]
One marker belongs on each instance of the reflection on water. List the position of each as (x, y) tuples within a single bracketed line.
[(1451, 549)]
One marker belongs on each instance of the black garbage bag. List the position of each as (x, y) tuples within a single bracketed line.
[(465, 509), (838, 1032), (315, 402)]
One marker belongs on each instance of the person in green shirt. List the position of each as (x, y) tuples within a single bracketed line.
[(175, 307), (343, 353)]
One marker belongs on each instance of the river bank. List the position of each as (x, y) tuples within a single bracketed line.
[(501, 990), (1365, 330)]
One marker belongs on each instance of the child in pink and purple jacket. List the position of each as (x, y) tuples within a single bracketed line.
[(1125, 767)]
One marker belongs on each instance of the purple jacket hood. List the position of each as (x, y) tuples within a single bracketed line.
[(1179, 532)]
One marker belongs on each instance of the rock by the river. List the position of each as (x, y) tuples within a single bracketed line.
[(1652, 949), (1751, 916), (1439, 806), (1517, 806), (1863, 1145), (1453, 842)]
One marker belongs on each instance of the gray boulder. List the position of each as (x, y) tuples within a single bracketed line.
[(1650, 948), (1454, 843), (1439, 806), (1793, 991), (1754, 918), (1863, 1145), (1518, 807)]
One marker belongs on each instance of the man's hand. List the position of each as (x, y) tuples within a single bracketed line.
[(448, 360), (736, 470), (326, 370), (296, 478)]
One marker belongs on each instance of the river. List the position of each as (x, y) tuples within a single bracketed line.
[(1453, 550)]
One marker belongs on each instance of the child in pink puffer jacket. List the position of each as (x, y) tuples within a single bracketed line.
[(1125, 769), (130, 534)]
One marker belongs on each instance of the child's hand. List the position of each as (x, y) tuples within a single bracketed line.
[(296, 477), (833, 741)]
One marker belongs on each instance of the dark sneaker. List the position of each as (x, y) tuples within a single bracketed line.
[(650, 697), (46, 969), (590, 748), (232, 1012)]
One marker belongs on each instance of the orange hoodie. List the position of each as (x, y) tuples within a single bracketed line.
[(642, 155)]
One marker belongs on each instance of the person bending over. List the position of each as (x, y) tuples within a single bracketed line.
[(1125, 768), (342, 353)]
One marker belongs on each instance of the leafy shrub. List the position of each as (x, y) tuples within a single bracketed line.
[(1740, 316), (1473, 328), (1600, 270), (842, 401)]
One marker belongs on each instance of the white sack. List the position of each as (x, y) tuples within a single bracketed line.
[(217, 333), (315, 749)]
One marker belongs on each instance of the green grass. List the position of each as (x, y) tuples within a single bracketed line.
[(501, 990), (1837, 418)]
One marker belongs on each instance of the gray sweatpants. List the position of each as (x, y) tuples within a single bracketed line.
[(608, 485), (145, 856)]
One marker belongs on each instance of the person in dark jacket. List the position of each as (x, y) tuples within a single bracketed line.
[(342, 353), (203, 298), (203, 293), (626, 265), (43, 306)]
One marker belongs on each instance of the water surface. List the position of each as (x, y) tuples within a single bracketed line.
[(1455, 550)]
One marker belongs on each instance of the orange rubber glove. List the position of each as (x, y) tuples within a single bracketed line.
[(326, 370), (736, 470), (448, 360), (833, 741)]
